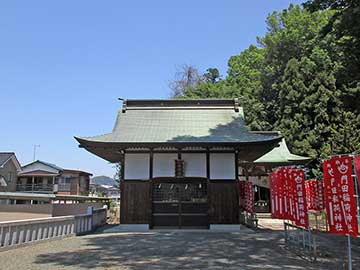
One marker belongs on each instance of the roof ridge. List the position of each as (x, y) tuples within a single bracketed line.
[(180, 103)]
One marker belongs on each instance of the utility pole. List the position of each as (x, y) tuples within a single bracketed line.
[(35, 146)]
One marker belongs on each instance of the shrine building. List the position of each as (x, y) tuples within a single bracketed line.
[(180, 160)]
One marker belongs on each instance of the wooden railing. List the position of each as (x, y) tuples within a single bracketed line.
[(14, 233)]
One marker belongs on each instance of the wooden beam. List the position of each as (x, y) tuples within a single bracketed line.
[(207, 164), (236, 164), (151, 164), (122, 187)]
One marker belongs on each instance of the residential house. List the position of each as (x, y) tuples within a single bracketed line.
[(43, 177), (9, 168)]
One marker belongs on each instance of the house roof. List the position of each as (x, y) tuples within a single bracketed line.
[(37, 173), (45, 163), (77, 172), (6, 157), (145, 123)]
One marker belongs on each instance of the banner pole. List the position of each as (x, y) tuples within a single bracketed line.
[(349, 252)]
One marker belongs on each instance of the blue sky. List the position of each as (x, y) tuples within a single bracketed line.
[(63, 64)]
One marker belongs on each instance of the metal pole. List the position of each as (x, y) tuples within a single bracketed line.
[(34, 156), (303, 234), (349, 252), (314, 245)]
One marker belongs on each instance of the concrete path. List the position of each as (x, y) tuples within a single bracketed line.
[(158, 250)]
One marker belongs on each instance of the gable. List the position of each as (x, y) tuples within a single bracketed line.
[(5, 158), (39, 166)]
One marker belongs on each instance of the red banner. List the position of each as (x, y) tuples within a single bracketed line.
[(276, 194), (315, 194), (287, 193), (272, 194), (301, 214), (357, 169), (339, 196), (246, 196)]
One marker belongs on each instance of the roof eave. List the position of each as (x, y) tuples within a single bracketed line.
[(111, 151)]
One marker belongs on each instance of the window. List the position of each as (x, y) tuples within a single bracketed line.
[(64, 180), (10, 178)]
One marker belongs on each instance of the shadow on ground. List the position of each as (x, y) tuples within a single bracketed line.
[(175, 250)]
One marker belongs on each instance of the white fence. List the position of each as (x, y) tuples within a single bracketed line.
[(19, 232)]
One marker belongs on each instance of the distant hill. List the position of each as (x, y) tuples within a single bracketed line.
[(103, 180)]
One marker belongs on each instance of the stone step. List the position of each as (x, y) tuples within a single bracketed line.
[(263, 215)]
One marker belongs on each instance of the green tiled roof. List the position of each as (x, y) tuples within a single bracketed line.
[(168, 125), (180, 123), (282, 155)]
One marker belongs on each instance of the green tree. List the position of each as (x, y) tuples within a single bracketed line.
[(344, 25), (309, 105), (303, 79)]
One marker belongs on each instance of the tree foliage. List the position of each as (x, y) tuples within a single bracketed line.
[(302, 78)]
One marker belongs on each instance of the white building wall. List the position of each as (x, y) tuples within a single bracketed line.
[(164, 165), (137, 166), (222, 166), (195, 164)]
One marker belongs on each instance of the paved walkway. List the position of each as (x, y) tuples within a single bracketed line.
[(158, 250)]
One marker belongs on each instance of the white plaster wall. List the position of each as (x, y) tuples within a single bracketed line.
[(137, 166), (195, 164), (164, 165), (222, 166)]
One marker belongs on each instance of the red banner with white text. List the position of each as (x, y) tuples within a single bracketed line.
[(288, 196), (301, 213), (339, 196), (315, 194)]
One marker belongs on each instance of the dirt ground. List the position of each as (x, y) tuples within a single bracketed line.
[(157, 250), (263, 248)]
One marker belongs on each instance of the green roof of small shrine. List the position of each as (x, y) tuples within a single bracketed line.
[(282, 155)]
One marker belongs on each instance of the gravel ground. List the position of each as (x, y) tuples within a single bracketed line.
[(158, 250)]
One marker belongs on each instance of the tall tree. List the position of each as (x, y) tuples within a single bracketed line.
[(345, 26), (302, 79), (186, 76), (309, 105)]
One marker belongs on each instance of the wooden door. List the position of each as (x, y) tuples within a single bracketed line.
[(180, 203)]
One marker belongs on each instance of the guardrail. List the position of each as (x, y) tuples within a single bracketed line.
[(14, 233), (302, 239)]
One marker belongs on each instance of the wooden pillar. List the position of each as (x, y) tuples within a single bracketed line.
[(122, 178), (179, 153), (236, 165), (151, 175), (151, 164), (32, 183), (208, 187), (78, 185), (207, 163)]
